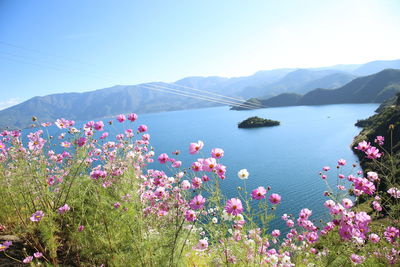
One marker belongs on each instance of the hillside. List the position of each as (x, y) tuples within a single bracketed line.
[(375, 88)]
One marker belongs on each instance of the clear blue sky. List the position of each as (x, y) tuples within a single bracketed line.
[(75, 45)]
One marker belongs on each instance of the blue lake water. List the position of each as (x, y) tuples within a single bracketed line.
[(287, 157)]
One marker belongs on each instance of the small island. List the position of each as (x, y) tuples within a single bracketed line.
[(255, 121)]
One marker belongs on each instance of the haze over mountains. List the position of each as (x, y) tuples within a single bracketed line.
[(149, 97)]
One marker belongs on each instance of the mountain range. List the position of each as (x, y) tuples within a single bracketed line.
[(151, 97), (375, 88)]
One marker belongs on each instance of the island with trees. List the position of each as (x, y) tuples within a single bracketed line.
[(254, 122)]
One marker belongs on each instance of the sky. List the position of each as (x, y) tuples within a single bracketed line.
[(49, 46)]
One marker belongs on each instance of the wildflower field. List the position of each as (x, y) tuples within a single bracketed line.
[(84, 198)]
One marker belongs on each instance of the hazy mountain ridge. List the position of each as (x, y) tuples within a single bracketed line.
[(375, 88), (134, 98)]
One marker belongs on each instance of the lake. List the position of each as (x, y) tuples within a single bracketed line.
[(287, 157)]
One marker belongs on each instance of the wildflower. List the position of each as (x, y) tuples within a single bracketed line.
[(391, 233), (374, 238), (258, 193), (217, 153), (185, 184), (326, 168), (197, 166), (373, 153), (197, 202), (121, 118), (63, 123), (190, 215), (379, 140), (275, 199), (64, 209), (132, 117), (195, 147), (234, 206), (372, 176), (117, 205), (341, 162), (81, 228), (394, 192), (37, 216), (162, 158), (104, 135), (347, 203), (81, 141), (2, 146), (202, 245), (28, 259), (5, 245), (276, 233), (377, 206), (363, 146), (290, 223), (214, 220), (142, 128), (356, 259), (38, 255), (196, 183), (176, 164), (243, 174)]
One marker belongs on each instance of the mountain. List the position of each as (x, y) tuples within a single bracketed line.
[(375, 88), (376, 66)]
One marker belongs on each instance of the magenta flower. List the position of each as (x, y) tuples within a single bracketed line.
[(121, 118), (394, 192), (363, 146), (374, 238), (391, 234), (372, 153), (81, 141), (379, 140), (63, 209), (190, 215), (341, 162), (5, 245), (38, 255), (356, 259), (202, 245), (347, 203), (234, 206), (197, 202), (176, 164), (326, 168), (276, 233), (37, 216), (195, 147), (162, 158), (104, 135), (2, 146), (142, 128), (185, 184), (28, 259), (132, 117), (275, 199), (99, 126), (81, 228), (196, 182), (217, 153), (259, 193)]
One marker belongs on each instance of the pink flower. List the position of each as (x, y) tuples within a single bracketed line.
[(202, 245), (177, 164), (356, 259), (63, 209), (394, 192), (347, 203), (195, 147), (37, 216), (234, 206), (379, 140), (258, 193), (196, 182), (132, 117), (391, 234), (2, 146), (121, 118), (363, 146), (185, 184), (373, 153), (374, 238), (81, 228), (197, 202), (326, 168), (290, 223), (190, 215), (28, 259), (275, 199), (81, 141), (341, 162), (104, 135), (38, 255), (217, 153), (377, 206), (372, 176), (209, 164), (142, 128), (276, 233), (146, 137), (163, 158), (99, 126), (197, 166)]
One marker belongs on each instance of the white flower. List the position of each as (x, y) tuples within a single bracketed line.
[(243, 174), (273, 259), (286, 260), (214, 220)]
